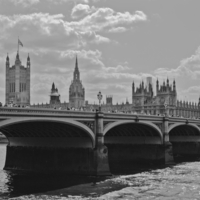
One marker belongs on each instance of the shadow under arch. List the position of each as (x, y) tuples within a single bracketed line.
[(133, 146), (45, 128), (185, 139), (182, 132), (138, 130)]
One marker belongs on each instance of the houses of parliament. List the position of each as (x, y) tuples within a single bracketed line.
[(17, 91)]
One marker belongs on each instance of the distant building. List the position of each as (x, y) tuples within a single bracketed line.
[(141, 96), (54, 96), (143, 99), (166, 95), (109, 100), (76, 90), (17, 82)]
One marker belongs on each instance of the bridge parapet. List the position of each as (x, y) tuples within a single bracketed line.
[(47, 112), (112, 116)]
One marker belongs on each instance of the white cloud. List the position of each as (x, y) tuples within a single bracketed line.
[(91, 37), (43, 21), (117, 69), (43, 24), (188, 67), (100, 39), (106, 18), (81, 10), (117, 29), (189, 94)]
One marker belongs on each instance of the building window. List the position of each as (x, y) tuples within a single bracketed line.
[(12, 87)]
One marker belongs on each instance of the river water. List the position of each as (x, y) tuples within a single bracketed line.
[(180, 181)]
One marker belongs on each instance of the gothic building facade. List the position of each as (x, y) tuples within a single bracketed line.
[(144, 101), (164, 102), (17, 82), (76, 90)]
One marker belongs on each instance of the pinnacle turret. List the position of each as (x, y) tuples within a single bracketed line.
[(28, 61), (174, 85), (53, 87), (17, 60), (7, 58), (167, 82), (133, 87), (17, 56), (7, 61)]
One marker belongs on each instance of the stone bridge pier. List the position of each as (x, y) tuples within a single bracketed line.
[(101, 151), (168, 148), (128, 145)]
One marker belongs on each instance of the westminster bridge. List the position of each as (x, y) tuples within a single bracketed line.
[(94, 143)]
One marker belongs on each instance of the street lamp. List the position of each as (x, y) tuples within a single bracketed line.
[(99, 96)]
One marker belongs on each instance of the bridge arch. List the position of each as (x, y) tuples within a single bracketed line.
[(151, 127), (60, 121), (188, 132), (181, 124)]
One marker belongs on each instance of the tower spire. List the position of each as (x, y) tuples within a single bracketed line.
[(53, 87), (76, 66), (76, 71)]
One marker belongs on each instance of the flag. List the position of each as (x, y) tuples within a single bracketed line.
[(20, 43)]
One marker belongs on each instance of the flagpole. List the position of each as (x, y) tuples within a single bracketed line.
[(18, 45)]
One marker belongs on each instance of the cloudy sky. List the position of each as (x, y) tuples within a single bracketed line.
[(116, 41)]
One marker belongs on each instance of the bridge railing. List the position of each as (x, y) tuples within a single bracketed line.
[(92, 114), (43, 111)]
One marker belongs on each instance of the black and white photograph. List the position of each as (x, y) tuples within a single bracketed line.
[(100, 99)]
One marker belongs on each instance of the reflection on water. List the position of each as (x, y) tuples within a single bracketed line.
[(181, 181), (171, 183), (15, 183)]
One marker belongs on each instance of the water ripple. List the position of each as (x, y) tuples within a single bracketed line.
[(181, 181)]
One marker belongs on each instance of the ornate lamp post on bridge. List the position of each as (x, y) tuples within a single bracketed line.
[(99, 96)]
